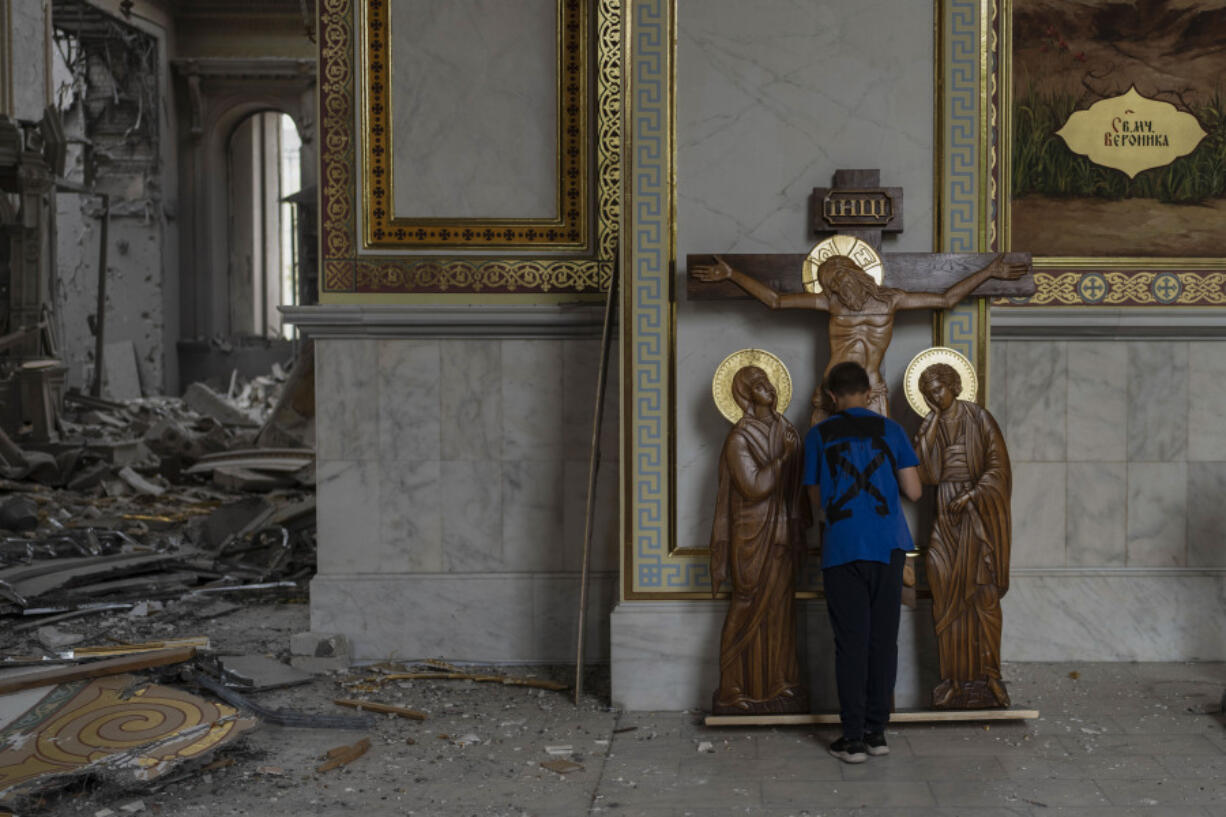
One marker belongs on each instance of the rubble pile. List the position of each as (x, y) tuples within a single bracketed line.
[(122, 520), (153, 499)]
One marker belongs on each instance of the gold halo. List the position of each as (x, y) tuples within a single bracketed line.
[(776, 373), (938, 354), (854, 248)]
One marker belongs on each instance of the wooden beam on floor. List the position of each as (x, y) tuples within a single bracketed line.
[(96, 669), (923, 716)]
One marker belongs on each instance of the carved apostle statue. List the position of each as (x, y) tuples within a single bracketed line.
[(757, 542), (962, 452)]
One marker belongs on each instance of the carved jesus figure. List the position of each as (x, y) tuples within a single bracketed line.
[(757, 542), (861, 311), (962, 452)]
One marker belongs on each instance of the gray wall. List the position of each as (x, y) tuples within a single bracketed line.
[(1119, 450), (452, 481), (1119, 463), (772, 98)]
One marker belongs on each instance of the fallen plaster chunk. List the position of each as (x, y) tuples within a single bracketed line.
[(139, 484), (319, 652), (55, 639), (256, 673), (203, 400), (560, 750)]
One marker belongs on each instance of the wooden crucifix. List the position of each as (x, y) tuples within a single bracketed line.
[(861, 306)]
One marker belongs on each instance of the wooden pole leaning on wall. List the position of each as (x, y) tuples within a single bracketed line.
[(95, 388), (606, 342)]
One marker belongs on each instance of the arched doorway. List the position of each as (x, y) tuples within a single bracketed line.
[(264, 168)]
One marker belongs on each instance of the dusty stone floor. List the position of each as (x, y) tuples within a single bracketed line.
[(1113, 739)]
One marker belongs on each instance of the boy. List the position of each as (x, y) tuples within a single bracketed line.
[(857, 463)]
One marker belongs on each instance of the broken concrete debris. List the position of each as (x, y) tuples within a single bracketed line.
[(150, 515), (319, 652)]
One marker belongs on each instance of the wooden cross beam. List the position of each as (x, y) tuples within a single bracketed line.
[(911, 271)]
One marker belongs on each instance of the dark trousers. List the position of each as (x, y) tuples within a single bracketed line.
[(863, 599)]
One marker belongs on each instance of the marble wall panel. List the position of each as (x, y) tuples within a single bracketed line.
[(1039, 509), (466, 618), (532, 401), (1037, 394), (347, 406), (555, 600), (998, 379), (1206, 400), (411, 512), (409, 382), (347, 514), (605, 532), (471, 503), (474, 127), (1094, 617), (480, 618), (1157, 401), (470, 394), (1207, 514), (1097, 401), (580, 362), (1097, 513), (1157, 514), (533, 530)]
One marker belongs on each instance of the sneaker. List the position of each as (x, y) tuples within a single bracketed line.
[(849, 751), (875, 743)]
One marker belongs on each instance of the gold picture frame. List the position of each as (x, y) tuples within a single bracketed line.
[(469, 269), (1067, 280)]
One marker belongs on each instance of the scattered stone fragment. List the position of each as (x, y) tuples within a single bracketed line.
[(55, 639), (202, 399), (19, 513), (139, 484), (706, 746), (133, 807), (319, 652), (562, 751), (561, 766)]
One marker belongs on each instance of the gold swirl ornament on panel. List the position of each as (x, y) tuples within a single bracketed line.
[(776, 372), (854, 248), (928, 357)]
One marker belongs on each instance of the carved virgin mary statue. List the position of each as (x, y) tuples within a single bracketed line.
[(757, 542), (962, 452)]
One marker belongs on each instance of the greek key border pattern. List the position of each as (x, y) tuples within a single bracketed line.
[(650, 569), (345, 272), (960, 183), (961, 325)]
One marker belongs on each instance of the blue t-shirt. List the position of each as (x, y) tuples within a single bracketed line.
[(852, 456)]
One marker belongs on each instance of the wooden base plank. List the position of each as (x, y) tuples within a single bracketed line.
[(922, 716), (97, 669)]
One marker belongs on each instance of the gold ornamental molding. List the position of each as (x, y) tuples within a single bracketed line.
[(568, 231), (577, 249)]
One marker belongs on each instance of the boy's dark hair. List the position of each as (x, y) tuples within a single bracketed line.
[(847, 378)]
